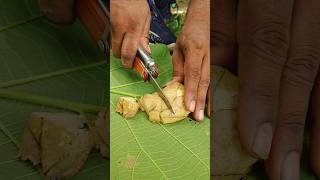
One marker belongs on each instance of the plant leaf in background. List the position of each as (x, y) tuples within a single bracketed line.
[(143, 150), (44, 65)]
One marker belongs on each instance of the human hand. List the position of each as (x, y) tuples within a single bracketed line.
[(130, 24), (278, 61), (191, 57)]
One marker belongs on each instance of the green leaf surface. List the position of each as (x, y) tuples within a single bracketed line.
[(44, 67), (142, 150)]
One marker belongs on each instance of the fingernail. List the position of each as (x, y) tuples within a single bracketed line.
[(290, 169), (125, 65), (263, 140), (192, 106), (200, 115)]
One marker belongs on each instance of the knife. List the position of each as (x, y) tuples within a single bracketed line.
[(95, 16), (148, 70)]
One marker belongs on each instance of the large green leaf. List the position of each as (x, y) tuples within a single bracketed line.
[(44, 67), (143, 150)]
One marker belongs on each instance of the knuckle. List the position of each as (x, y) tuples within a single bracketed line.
[(194, 74), (190, 43), (269, 39), (302, 67), (116, 25), (127, 55), (264, 90), (204, 83), (294, 121), (177, 73)]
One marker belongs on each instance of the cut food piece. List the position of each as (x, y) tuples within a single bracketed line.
[(127, 106), (157, 109), (100, 133), (230, 161), (58, 142)]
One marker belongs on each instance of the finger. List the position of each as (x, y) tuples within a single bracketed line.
[(178, 64), (223, 33), (116, 30), (315, 138), (202, 89), (116, 41), (263, 34), (144, 41), (296, 84), (129, 46), (192, 73)]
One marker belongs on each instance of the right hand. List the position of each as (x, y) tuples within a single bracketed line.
[(130, 25)]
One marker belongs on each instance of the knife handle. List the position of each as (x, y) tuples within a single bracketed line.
[(139, 66), (93, 19)]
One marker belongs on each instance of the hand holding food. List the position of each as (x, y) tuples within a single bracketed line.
[(191, 57), (278, 63)]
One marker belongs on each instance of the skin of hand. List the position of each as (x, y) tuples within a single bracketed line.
[(276, 44), (191, 57), (130, 25)]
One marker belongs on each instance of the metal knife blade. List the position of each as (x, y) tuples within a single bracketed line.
[(159, 90)]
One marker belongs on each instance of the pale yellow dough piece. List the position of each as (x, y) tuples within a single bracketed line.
[(157, 109), (127, 106), (59, 142)]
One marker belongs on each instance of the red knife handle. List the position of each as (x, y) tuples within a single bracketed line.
[(92, 17), (138, 65)]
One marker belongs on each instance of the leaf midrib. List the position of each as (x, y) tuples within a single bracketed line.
[(143, 150)]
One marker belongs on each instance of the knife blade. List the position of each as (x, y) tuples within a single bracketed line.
[(160, 92), (149, 65)]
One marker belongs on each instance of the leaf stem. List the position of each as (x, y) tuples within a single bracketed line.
[(42, 100), (116, 68), (10, 26), (49, 75), (125, 85), (125, 93), (8, 134)]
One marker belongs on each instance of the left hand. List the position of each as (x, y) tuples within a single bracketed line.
[(191, 57), (276, 44)]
